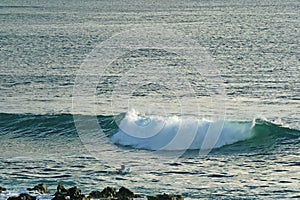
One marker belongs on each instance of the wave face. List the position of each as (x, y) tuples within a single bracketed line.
[(161, 133), (146, 132), (36, 126)]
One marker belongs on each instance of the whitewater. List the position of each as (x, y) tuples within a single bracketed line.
[(177, 133)]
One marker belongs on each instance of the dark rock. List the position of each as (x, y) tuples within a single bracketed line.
[(2, 189), (61, 193), (75, 193), (40, 188), (165, 197), (108, 192), (95, 194), (124, 194), (61, 189), (22, 197)]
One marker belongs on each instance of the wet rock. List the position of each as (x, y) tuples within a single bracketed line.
[(108, 192), (22, 197), (125, 194), (72, 193), (95, 195), (165, 197), (75, 193), (61, 193), (40, 188), (61, 189), (2, 189)]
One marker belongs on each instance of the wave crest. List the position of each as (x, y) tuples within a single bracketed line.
[(157, 132)]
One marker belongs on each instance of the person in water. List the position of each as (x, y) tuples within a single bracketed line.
[(122, 170)]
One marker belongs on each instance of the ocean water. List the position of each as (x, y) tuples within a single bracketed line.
[(199, 98)]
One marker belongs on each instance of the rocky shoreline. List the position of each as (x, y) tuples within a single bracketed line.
[(74, 193)]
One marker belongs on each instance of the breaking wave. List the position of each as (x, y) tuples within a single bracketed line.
[(147, 132)]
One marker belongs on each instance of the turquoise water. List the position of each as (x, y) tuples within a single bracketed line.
[(48, 133)]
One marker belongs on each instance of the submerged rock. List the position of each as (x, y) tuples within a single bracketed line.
[(2, 189), (40, 188), (22, 197)]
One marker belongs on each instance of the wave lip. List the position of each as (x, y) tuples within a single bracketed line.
[(159, 132)]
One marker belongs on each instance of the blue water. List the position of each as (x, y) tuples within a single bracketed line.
[(228, 128)]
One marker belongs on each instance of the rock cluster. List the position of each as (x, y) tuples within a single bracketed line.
[(72, 193), (75, 193), (111, 193)]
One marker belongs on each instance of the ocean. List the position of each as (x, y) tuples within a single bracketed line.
[(198, 98)]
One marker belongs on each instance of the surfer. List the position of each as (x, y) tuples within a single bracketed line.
[(123, 170)]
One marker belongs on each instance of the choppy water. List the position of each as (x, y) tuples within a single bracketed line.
[(254, 46)]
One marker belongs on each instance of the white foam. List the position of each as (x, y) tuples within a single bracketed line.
[(175, 133)]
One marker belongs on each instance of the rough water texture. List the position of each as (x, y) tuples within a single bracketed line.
[(255, 47)]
